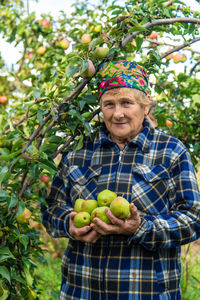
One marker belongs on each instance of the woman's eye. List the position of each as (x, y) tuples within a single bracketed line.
[(126, 102), (108, 104)]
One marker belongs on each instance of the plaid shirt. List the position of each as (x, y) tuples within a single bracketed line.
[(154, 171)]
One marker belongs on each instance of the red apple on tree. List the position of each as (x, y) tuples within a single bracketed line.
[(45, 178), (89, 72), (86, 38), (45, 23), (30, 55), (3, 99), (178, 57), (153, 35), (169, 123)]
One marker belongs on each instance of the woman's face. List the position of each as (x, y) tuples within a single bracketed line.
[(123, 115)]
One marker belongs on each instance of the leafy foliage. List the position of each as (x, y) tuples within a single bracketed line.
[(50, 108)]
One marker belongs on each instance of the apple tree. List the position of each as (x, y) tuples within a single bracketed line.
[(48, 102)]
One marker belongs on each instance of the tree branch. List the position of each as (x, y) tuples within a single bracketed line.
[(194, 67), (180, 47), (36, 132), (171, 45), (148, 25)]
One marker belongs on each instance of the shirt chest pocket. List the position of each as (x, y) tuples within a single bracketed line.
[(83, 181), (151, 187)]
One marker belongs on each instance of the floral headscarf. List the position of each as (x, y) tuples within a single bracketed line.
[(122, 73)]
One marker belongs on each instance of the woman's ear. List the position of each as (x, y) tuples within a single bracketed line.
[(147, 109)]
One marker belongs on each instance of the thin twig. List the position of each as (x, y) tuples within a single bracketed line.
[(36, 132), (194, 67), (180, 47), (171, 45), (148, 25)]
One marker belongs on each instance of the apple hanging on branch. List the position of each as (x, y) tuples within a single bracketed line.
[(101, 52), (90, 71), (85, 39), (64, 43), (45, 23), (154, 35), (3, 99), (41, 50), (178, 57)]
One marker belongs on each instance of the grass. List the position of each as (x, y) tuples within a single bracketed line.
[(49, 278), (190, 281)]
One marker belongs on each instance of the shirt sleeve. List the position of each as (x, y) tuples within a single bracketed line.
[(181, 225), (55, 217)]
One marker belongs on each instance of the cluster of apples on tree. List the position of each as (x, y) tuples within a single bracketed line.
[(89, 209)]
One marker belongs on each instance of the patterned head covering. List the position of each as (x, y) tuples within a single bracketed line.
[(122, 73)]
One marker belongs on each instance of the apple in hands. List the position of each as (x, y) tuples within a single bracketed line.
[(118, 226)]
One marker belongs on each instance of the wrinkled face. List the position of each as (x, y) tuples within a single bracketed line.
[(123, 115)]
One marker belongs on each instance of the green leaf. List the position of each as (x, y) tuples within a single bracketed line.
[(24, 239), (137, 28), (4, 194), (5, 254), (28, 276), (4, 292), (4, 174), (47, 165), (195, 101), (49, 148), (20, 207), (36, 94), (10, 156), (84, 66), (12, 202), (72, 70), (5, 272), (139, 42), (80, 143), (40, 115)]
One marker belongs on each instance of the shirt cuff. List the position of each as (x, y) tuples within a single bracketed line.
[(138, 235), (66, 227)]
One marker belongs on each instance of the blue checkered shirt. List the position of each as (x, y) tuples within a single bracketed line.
[(155, 172)]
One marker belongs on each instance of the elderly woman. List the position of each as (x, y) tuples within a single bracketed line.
[(138, 258)]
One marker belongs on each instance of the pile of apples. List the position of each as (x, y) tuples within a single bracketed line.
[(87, 210)]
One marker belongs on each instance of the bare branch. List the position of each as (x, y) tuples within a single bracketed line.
[(172, 45), (194, 67), (36, 132), (180, 47), (148, 25)]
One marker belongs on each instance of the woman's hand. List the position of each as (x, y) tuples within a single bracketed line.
[(84, 234), (118, 226)]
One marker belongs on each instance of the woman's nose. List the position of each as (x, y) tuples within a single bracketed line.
[(118, 113)]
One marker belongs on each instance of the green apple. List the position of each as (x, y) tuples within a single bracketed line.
[(77, 204), (64, 43), (105, 197), (41, 50), (120, 208), (24, 216), (101, 52), (89, 205), (100, 213), (82, 219)]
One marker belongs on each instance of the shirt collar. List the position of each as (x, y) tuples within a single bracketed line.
[(142, 140)]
